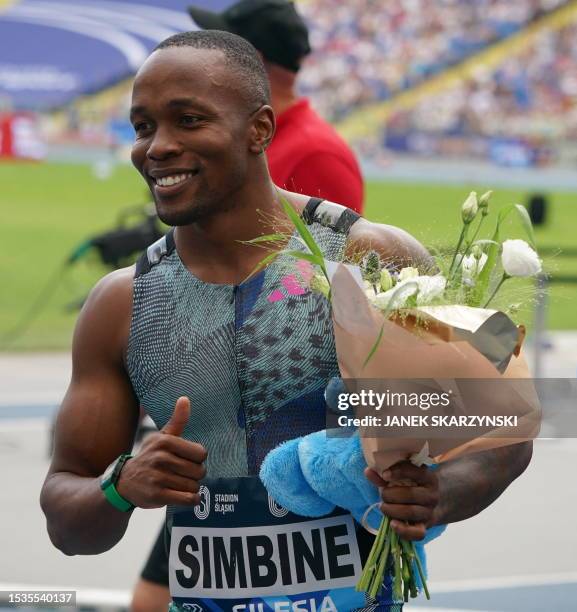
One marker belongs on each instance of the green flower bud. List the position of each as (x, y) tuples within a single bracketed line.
[(372, 267), (386, 280), (484, 202), (320, 284), (477, 252), (470, 208)]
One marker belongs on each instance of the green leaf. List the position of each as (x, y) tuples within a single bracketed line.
[(263, 263), (484, 277), (375, 346), (526, 222), (301, 228), (484, 242), (398, 290), (267, 238), (306, 256), (523, 216)]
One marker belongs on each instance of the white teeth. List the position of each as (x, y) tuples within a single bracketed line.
[(167, 181)]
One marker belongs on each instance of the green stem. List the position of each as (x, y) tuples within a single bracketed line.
[(505, 277), (409, 560), (420, 570), (369, 569), (379, 574), (472, 241), (461, 238), (466, 251), (397, 575)]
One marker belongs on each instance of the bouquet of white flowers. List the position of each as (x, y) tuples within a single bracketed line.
[(405, 324)]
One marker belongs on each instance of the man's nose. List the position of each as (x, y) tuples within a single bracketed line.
[(163, 144)]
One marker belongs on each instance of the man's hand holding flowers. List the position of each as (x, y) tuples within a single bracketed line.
[(410, 498)]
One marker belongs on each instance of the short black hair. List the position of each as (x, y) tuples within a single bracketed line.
[(239, 54)]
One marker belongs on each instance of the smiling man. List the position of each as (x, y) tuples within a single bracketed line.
[(226, 373)]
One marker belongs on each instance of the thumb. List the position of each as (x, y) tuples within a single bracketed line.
[(179, 418)]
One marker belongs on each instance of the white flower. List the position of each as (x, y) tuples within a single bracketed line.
[(397, 296), (470, 208), (407, 273), (471, 268), (430, 288), (519, 259)]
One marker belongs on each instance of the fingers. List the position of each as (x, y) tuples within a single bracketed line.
[(166, 470), (181, 467), (410, 507), (407, 471), (179, 418), (176, 498), (373, 477), (185, 449), (422, 496), (407, 512), (181, 484), (409, 532)]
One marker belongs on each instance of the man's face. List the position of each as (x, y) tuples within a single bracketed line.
[(191, 133)]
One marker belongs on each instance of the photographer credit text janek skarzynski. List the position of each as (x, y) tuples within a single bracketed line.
[(423, 401)]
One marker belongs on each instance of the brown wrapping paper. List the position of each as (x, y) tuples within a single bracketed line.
[(443, 346)]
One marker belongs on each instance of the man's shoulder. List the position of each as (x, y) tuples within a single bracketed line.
[(110, 301), (103, 325), (115, 286), (395, 246)]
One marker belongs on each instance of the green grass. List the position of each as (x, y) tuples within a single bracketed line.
[(48, 209)]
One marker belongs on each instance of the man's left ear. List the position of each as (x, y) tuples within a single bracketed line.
[(262, 129)]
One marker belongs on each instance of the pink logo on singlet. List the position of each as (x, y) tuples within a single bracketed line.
[(293, 285)]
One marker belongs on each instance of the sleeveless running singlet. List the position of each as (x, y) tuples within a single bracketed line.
[(254, 359)]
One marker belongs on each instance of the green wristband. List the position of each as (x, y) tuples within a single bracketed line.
[(114, 497), (109, 481)]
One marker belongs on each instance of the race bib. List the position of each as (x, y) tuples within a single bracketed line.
[(239, 551)]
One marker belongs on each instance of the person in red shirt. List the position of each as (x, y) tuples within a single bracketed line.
[(307, 155)]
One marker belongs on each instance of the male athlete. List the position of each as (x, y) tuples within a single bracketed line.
[(226, 372), (306, 155)]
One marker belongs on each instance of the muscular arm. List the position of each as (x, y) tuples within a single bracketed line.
[(396, 247), (458, 489), (96, 423)]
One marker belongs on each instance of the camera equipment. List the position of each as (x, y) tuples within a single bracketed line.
[(116, 248)]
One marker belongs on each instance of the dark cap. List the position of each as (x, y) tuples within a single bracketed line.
[(272, 26)]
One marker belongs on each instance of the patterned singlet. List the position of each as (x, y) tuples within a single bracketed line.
[(253, 358)]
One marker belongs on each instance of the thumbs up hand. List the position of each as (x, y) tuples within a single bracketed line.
[(179, 418), (167, 469)]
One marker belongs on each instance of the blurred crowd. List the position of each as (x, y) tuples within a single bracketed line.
[(524, 106), (368, 50), (365, 51)]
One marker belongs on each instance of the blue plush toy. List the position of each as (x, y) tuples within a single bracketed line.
[(311, 475)]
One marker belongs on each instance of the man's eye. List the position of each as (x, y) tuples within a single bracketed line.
[(188, 120), (141, 126)]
